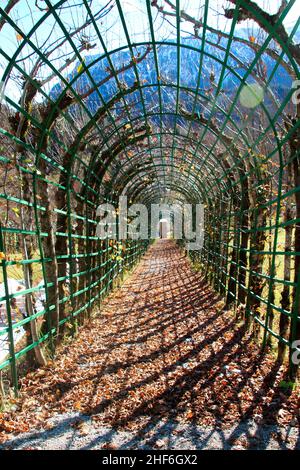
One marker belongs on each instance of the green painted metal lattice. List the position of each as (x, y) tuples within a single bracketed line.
[(173, 134)]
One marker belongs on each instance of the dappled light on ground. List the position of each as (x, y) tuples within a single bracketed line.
[(162, 350)]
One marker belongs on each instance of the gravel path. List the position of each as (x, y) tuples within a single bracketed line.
[(74, 431), (162, 366)]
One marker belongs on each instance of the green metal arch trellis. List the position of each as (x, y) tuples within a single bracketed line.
[(61, 157)]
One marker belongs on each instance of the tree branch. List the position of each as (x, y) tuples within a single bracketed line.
[(7, 9), (198, 24), (254, 12)]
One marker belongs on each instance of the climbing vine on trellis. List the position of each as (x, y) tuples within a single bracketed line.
[(84, 121)]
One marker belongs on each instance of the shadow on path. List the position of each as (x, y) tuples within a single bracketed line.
[(162, 362)]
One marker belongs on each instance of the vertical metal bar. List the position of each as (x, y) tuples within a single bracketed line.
[(13, 366)]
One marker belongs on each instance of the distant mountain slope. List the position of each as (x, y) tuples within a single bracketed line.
[(212, 67)]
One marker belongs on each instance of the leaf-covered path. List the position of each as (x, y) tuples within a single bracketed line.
[(162, 349)]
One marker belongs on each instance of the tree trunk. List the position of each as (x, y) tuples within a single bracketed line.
[(256, 257), (284, 321), (32, 336), (232, 282), (61, 245), (48, 226), (295, 323), (243, 253)]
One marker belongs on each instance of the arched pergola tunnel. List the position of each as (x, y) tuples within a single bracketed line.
[(175, 110)]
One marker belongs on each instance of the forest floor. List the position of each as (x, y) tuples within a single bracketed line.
[(163, 366)]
